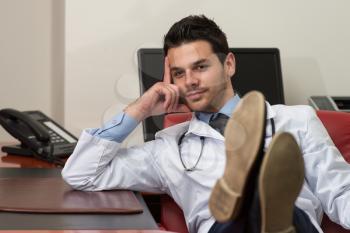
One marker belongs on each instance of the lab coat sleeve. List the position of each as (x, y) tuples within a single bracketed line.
[(100, 164), (327, 173)]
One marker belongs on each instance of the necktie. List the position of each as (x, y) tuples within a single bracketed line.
[(218, 122)]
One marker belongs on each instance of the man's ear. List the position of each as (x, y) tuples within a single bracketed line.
[(230, 65)]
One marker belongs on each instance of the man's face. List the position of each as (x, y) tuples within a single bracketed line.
[(204, 82)]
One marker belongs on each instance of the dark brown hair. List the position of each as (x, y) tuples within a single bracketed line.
[(197, 27)]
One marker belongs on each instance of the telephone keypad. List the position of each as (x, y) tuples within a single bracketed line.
[(54, 138)]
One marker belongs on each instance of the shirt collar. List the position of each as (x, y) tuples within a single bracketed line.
[(199, 126), (227, 109)]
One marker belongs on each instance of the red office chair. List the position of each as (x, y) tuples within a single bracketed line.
[(172, 217), (338, 127)]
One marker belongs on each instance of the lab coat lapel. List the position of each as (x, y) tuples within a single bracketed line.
[(201, 128)]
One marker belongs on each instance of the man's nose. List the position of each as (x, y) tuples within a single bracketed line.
[(191, 79)]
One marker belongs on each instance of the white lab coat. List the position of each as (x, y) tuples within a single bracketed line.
[(99, 164)]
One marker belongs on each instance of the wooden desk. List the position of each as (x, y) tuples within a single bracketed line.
[(18, 166)]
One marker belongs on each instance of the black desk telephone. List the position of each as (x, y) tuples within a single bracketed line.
[(40, 136)]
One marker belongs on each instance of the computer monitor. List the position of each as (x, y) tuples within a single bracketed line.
[(256, 69)]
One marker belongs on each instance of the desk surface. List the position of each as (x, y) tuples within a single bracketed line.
[(17, 166)]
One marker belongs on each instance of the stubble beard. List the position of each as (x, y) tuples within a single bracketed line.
[(214, 102)]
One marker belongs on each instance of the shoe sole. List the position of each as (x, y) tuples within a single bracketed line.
[(280, 181), (244, 134)]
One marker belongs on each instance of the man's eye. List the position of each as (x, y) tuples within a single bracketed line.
[(201, 67), (177, 74)]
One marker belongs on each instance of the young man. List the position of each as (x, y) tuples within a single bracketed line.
[(250, 178)]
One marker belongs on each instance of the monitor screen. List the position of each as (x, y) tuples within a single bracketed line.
[(256, 69)]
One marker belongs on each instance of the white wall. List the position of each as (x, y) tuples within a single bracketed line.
[(95, 74), (26, 57), (103, 37)]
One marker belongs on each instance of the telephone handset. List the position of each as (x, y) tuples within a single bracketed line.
[(40, 136)]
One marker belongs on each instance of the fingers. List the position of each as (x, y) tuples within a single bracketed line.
[(177, 106), (167, 75), (171, 94)]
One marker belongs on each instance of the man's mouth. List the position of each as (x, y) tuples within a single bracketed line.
[(195, 94)]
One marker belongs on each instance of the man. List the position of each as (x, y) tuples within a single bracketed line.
[(250, 179)]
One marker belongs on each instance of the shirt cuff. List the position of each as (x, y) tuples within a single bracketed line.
[(116, 129)]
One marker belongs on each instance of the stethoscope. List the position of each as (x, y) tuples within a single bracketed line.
[(190, 169)]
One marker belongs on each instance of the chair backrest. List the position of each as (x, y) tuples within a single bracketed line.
[(176, 118), (338, 127)]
